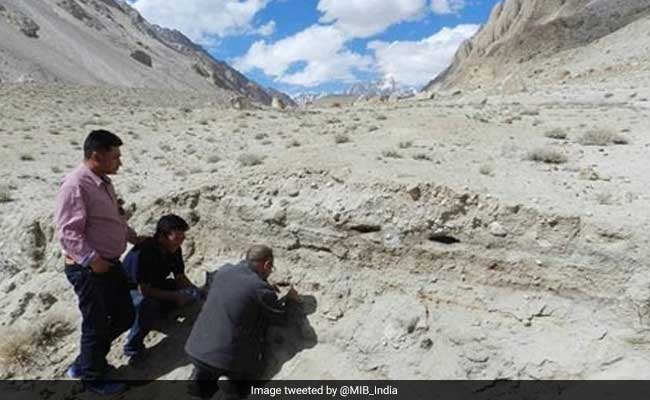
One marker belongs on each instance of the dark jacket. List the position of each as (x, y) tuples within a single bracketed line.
[(230, 329)]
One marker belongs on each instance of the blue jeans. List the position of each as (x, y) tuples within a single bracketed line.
[(106, 312), (147, 311)]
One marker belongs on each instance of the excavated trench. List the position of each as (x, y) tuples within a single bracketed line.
[(421, 281)]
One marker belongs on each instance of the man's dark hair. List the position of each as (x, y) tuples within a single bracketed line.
[(169, 223), (100, 140), (259, 253)]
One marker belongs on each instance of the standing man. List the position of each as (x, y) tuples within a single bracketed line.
[(227, 337), (148, 266), (93, 234)]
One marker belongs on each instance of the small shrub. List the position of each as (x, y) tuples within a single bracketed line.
[(486, 169), (16, 348), (421, 157), (26, 157), (293, 143), (249, 160), (602, 137), (405, 144), (557, 133), (261, 136), (341, 138), (391, 154), (548, 156), (381, 117), (213, 159), (51, 330), (605, 199), (5, 194)]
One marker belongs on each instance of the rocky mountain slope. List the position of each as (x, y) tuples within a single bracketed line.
[(522, 34), (107, 42)]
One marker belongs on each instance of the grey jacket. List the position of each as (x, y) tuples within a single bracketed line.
[(229, 331)]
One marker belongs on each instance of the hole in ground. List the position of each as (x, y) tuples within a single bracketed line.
[(444, 239)]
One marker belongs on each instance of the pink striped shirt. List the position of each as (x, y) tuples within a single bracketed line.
[(88, 219)]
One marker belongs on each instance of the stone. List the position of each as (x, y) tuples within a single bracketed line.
[(414, 192), (278, 104), (496, 229), (142, 57)]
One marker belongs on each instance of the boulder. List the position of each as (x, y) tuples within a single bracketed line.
[(142, 57)]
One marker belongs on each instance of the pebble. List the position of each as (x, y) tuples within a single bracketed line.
[(496, 229)]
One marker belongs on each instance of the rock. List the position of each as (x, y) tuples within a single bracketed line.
[(142, 57), (426, 344), (513, 85), (278, 104), (496, 229), (21, 21), (426, 95), (414, 192), (241, 103), (276, 216)]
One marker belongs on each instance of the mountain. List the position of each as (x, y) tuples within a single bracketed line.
[(367, 89), (307, 98), (521, 35), (382, 87), (107, 42)]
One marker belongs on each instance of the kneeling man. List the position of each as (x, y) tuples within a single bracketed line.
[(148, 266), (226, 342)]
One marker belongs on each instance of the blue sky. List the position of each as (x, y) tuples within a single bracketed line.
[(325, 45)]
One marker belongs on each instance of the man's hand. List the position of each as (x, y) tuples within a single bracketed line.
[(99, 265), (292, 295)]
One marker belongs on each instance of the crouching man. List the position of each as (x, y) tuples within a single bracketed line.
[(225, 344), (148, 266)]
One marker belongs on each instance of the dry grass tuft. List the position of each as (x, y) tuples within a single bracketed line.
[(20, 346), (602, 137), (391, 154), (546, 155), (557, 133), (341, 138), (5, 194), (249, 159)]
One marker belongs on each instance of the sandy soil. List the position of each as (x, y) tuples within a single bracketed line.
[(546, 276)]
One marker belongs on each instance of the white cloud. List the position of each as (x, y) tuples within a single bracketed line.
[(266, 29), (201, 19), (319, 50), (365, 18), (447, 6), (416, 63)]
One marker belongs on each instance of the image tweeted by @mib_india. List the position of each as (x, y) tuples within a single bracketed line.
[(334, 391)]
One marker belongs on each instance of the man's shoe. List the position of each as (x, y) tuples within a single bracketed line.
[(74, 371), (105, 388)]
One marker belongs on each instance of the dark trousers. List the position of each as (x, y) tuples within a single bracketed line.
[(205, 382), (106, 312), (147, 311)]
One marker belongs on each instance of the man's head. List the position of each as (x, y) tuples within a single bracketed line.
[(261, 257), (102, 152), (170, 232)]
